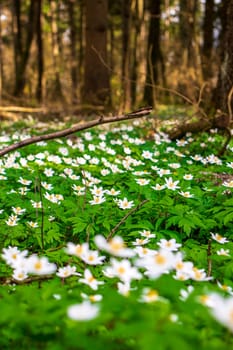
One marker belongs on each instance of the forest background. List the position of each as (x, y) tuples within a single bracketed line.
[(71, 56)]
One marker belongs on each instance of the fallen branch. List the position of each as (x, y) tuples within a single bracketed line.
[(78, 127), (18, 109), (126, 217), (11, 280)]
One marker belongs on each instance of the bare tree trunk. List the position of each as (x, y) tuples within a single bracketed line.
[(155, 65), (208, 27), (57, 88), (17, 36), (1, 59), (225, 81), (126, 48), (141, 51), (96, 89), (40, 60), (22, 52), (73, 51), (188, 10)]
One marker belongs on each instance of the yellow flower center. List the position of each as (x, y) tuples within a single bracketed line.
[(78, 249), (38, 265), (160, 259), (152, 293), (91, 279), (179, 265), (115, 246), (121, 270)]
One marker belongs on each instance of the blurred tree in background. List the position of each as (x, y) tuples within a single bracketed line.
[(105, 55)]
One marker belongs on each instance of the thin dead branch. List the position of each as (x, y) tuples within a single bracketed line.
[(133, 210), (78, 127)]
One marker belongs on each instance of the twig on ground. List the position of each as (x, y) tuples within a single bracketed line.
[(78, 127), (126, 217)]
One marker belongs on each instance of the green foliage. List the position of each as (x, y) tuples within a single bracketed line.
[(55, 209)]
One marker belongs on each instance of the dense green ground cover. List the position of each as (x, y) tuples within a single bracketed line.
[(111, 239)]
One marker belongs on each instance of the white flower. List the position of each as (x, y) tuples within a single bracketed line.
[(170, 244), (170, 184), (90, 280), (124, 203), (54, 198), (142, 251), (12, 220), (181, 143), (158, 187), (222, 310), (174, 165), (97, 191), (230, 165), (114, 246), (40, 265), (142, 182), (186, 194), (13, 256), (78, 250), (228, 184), (184, 293), (224, 252), (36, 204), (197, 157), (19, 275), (183, 268), (46, 186), (123, 270), (33, 224), (181, 275), (162, 172), (83, 312), (188, 177), (24, 181), (161, 262), (149, 295), (225, 288), (49, 172), (93, 298), (97, 200), (18, 210), (147, 154), (141, 241), (105, 172), (113, 192), (199, 275), (218, 238), (147, 234), (67, 271), (91, 257)]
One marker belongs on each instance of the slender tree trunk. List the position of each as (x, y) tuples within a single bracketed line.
[(22, 53), (225, 80), (208, 28), (73, 51), (17, 36), (81, 43), (187, 21), (96, 89), (126, 48), (141, 51), (40, 60), (57, 88), (1, 59), (138, 15), (155, 60)]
